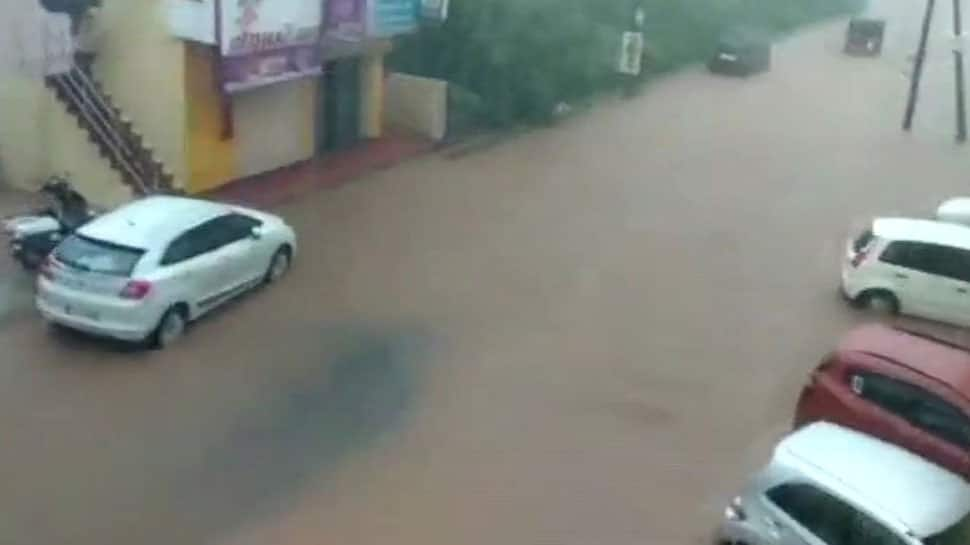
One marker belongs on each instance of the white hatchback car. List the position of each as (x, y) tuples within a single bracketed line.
[(142, 272), (913, 266), (827, 485)]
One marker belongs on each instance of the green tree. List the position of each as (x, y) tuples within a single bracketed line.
[(521, 57)]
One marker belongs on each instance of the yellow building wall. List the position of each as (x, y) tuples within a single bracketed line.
[(274, 125), (142, 66), (38, 138), (211, 158), (417, 104)]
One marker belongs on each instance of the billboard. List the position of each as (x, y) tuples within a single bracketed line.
[(269, 41)]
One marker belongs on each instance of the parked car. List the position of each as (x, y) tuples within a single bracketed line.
[(864, 37), (741, 53), (145, 270), (899, 386), (828, 485), (913, 266), (955, 210)]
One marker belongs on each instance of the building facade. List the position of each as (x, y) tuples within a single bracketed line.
[(188, 95)]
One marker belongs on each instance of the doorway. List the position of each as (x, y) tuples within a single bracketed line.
[(338, 123)]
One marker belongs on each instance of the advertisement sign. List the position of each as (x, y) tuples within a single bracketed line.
[(269, 41), (393, 17), (345, 20), (631, 53)]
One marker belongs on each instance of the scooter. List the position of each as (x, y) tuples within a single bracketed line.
[(34, 236)]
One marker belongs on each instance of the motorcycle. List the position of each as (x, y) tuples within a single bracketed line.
[(34, 236)]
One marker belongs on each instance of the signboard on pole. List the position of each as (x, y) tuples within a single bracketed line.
[(269, 41), (631, 53)]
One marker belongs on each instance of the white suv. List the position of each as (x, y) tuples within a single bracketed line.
[(917, 267), (143, 271)]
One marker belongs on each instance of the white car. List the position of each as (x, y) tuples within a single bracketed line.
[(828, 485), (956, 210), (913, 266), (142, 272)]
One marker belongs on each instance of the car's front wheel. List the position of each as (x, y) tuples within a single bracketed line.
[(170, 328), (879, 301), (278, 265)]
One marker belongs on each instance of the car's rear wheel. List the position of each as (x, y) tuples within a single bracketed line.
[(879, 301), (278, 265), (170, 328)]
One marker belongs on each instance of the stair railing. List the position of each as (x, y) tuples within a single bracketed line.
[(90, 104)]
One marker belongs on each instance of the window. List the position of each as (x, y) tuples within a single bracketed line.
[(830, 519), (941, 419), (192, 243), (233, 227), (904, 254), (98, 256), (958, 534), (209, 236), (929, 258), (892, 395), (954, 263), (865, 530), (917, 406), (815, 510)]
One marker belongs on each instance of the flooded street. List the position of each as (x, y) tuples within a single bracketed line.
[(588, 334)]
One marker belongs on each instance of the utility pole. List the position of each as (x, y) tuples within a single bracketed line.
[(958, 67), (918, 66)]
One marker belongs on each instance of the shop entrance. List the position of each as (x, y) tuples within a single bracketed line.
[(338, 126)]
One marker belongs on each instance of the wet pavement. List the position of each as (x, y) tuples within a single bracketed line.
[(588, 334)]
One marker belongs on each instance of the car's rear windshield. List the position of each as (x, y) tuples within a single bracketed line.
[(97, 256), (863, 240), (958, 534)]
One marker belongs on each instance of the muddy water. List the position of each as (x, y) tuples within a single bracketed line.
[(588, 334)]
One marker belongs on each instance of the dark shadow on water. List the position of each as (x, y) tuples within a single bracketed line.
[(366, 382)]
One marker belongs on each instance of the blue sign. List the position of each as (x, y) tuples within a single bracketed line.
[(393, 17)]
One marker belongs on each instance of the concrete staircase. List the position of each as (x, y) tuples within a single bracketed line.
[(114, 134)]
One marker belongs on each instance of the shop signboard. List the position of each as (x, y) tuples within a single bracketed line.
[(389, 18), (269, 41)]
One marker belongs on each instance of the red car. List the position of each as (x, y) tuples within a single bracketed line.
[(901, 387)]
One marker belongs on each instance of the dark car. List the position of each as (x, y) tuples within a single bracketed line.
[(864, 37), (741, 54), (899, 386)]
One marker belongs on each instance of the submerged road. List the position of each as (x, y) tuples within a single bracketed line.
[(588, 334)]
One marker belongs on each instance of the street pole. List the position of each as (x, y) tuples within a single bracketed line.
[(918, 66), (958, 67)]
